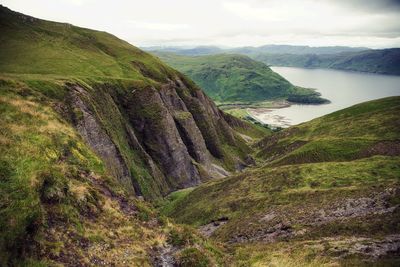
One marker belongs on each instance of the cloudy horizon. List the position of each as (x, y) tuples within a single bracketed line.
[(230, 23)]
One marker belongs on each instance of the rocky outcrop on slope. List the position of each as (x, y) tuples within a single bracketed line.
[(278, 225), (156, 140), (96, 137)]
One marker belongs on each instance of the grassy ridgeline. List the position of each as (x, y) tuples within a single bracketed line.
[(34, 46)]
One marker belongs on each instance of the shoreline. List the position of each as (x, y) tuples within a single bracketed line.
[(264, 104), (265, 116), (260, 112)]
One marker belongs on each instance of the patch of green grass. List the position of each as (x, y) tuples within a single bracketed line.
[(373, 120), (39, 155), (259, 189), (326, 150), (193, 257), (281, 254), (240, 113), (305, 253), (169, 202), (33, 263)]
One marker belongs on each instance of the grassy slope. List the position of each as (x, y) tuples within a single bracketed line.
[(237, 78), (292, 192), (66, 50), (347, 134)]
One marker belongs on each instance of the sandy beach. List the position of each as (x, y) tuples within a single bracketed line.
[(266, 116)]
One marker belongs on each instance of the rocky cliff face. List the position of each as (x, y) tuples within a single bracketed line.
[(155, 140)]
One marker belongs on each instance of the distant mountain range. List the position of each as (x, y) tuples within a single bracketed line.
[(384, 61), (251, 50), (297, 50), (187, 51)]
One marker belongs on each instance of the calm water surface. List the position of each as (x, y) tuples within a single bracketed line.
[(342, 88)]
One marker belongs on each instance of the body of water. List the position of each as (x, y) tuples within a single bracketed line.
[(342, 88)]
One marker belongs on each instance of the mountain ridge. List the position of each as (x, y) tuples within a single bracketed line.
[(269, 48)]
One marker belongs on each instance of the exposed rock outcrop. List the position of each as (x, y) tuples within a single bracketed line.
[(90, 129), (156, 140), (276, 225), (159, 135)]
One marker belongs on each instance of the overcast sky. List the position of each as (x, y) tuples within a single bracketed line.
[(370, 23)]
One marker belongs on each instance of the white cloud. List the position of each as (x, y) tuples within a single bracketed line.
[(230, 22), (158, 26), (76, 2)]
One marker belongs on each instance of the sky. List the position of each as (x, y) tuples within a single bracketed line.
[(229, 23)]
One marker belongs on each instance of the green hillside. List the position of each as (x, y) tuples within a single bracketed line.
[(327, 187), (355, 132), (33, 46), (239, 79)]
